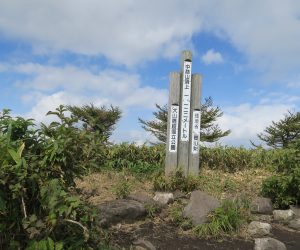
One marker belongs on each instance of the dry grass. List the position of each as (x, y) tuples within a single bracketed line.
[(98, 187), (223, 184)]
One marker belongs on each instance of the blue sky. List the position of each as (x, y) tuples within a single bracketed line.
[(121, 53)]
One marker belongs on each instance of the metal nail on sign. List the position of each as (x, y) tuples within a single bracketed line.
[(186, 99), (174, 118)]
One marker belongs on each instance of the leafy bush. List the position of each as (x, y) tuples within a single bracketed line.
[(136, 159), (284, 187), (37, 171), (229, 217)]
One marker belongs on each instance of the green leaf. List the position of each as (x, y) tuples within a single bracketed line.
[(50, 244), (14, 155), (20, 149)]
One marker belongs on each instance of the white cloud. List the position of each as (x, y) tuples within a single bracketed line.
[(126, 32), (211, 57), (44, 88), (112, 86), (246, 121), (131, 32)]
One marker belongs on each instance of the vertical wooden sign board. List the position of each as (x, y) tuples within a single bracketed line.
[(183, 127)]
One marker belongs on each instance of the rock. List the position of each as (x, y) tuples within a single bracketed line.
[(268, 244), (142, 244), (163, 198), (261, 205), (179, 195), (259, 229), (143, 198), (295, 224), (199, 206), (283, 215), (296, 210), (264, 218), (118, 210)]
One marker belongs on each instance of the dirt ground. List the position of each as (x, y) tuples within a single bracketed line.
[(167, 237), (163, 233)]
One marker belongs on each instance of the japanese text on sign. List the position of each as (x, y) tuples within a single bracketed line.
[(174, 117), (196, 131), (186, 98)]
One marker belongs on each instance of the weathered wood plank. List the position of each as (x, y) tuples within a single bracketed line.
[(183, 147), (174, 99), (195, 125)]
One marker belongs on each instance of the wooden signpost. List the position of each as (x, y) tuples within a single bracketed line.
[(183, 128)]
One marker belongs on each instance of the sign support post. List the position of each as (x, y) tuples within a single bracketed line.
[(183, 127)]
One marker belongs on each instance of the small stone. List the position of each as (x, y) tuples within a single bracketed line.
[(261, 205), (283, 215), (295, 224), (268, 244), (142, 244), (259, 229), (163, 198)]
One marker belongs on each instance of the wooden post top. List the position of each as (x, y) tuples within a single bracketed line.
[(186, 55)]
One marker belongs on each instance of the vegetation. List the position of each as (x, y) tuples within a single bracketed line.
[(40, 165), (284, 187), (123, 188), (209, 130), (177, 181), (228, 218), (37, 172), (283, 133), (141, 160), (97, 120)]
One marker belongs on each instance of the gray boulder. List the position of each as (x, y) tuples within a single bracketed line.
[(199, 206), (163, 198), (261, 205), (283, 215), (143, 198), (142, 244), (259, 229), (115, 211), (268, 244), (295, 224), (296, 210), (264, 218)]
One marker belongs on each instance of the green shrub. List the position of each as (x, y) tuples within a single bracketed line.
[(136, 159), (284, 187), (229, 217), (37, 171)]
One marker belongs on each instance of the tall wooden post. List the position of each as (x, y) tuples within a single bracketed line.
[(183, 127), (172, 125), (195, 125), (185, 110)]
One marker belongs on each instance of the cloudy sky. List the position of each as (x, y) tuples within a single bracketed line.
[(121, 52)]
